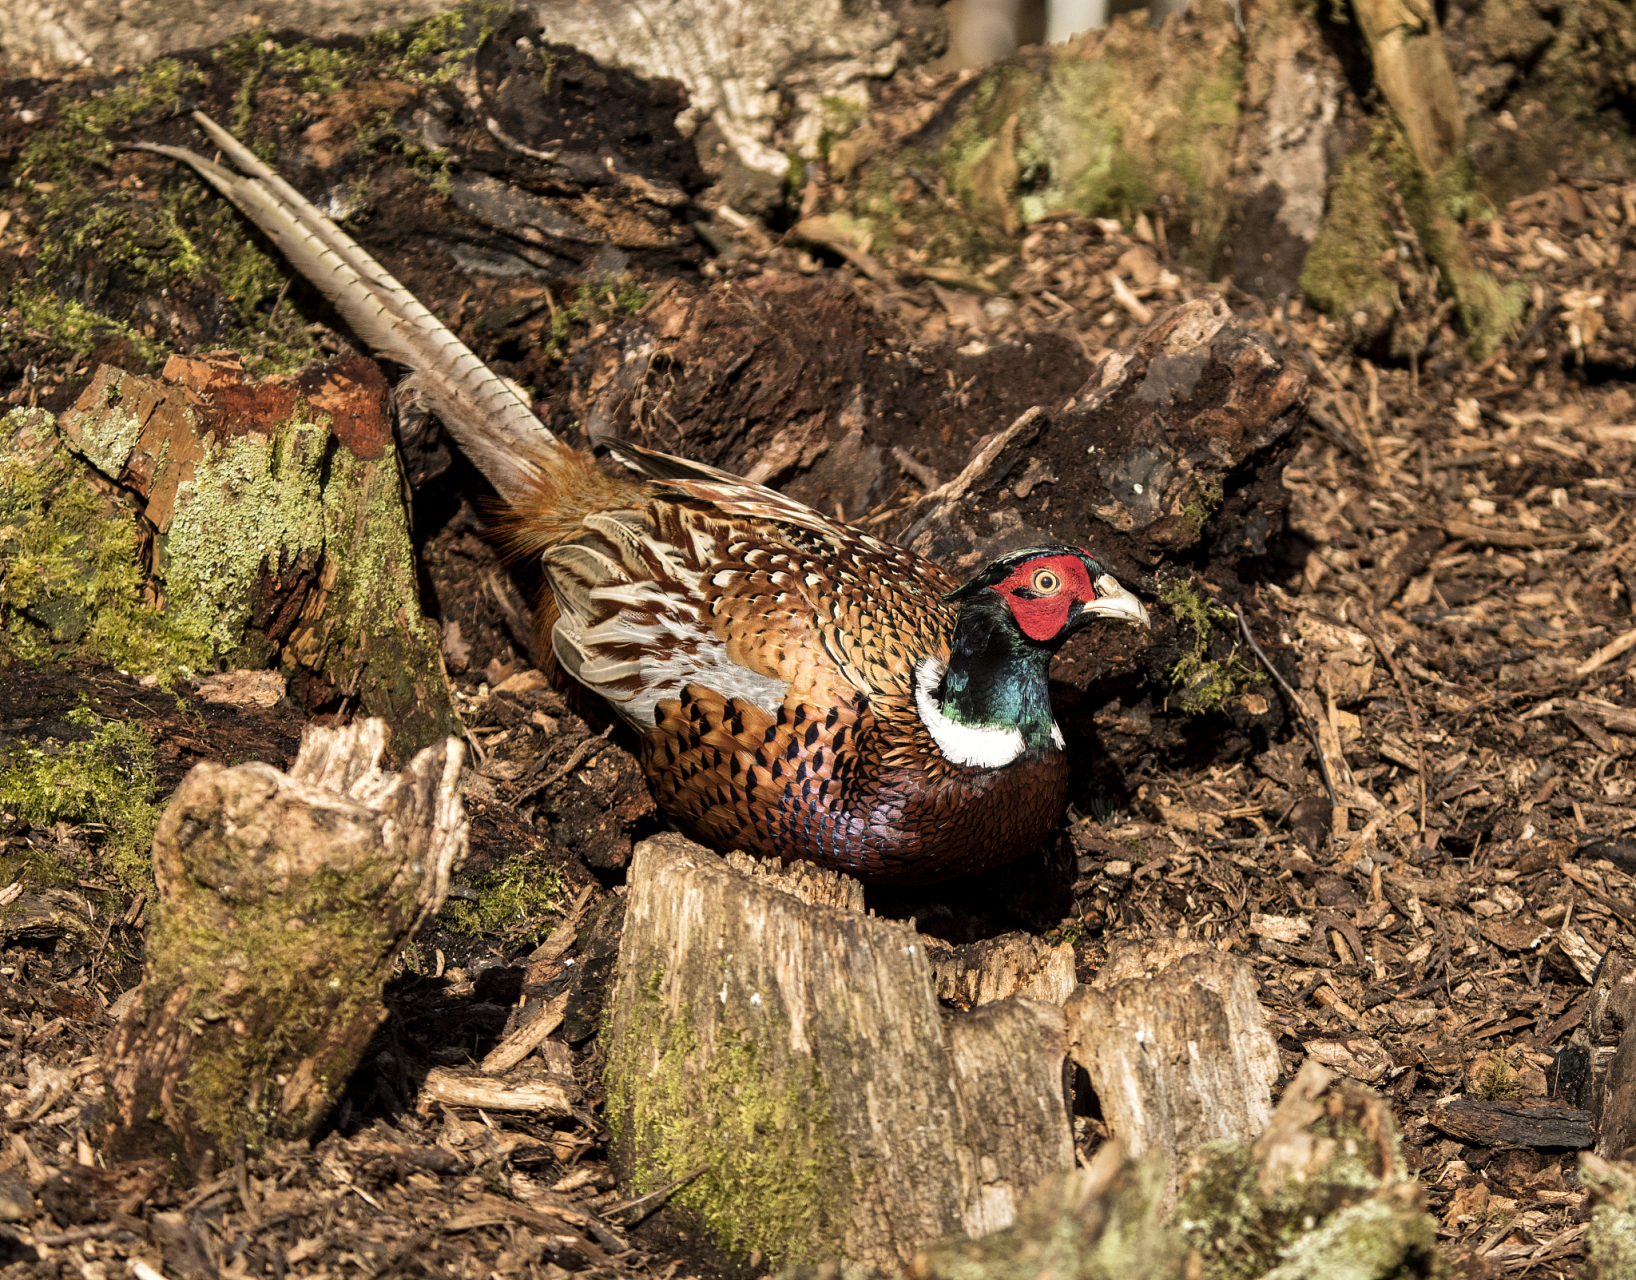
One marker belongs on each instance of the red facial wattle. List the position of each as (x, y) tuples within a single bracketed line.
[(1042, 614)]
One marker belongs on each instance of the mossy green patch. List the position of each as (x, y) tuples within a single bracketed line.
[(103, 782), (752, 1114), (1203, 679), (302, 954), (590, 304), (1344, 273), (1610, 1239), (148, 242), (70, 576), (1488, 310), (517, 901), (1103, 128)]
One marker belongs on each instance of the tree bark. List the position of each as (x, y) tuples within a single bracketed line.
[(283, 901), (796, 1053), (275, 528)]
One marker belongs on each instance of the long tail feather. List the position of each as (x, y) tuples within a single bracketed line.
[(494, 426)]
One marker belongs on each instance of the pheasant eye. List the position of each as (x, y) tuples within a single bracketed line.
[(1045, 581)]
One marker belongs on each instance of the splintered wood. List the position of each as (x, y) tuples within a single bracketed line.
[(283, 901), (798, 1054), (1176, 1048)]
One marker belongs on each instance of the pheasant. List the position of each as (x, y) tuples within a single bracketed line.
[(800, 688)]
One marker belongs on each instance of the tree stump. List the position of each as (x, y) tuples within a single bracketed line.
[(1176, 1049), (283, 901), (793, 1054), (1610, 1035), (1321, 1193), (274, 526)]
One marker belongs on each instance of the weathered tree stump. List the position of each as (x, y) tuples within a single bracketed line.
[(283, 901), (1320, 1193), (1176, 1049), (274, 526), (795, 1053)]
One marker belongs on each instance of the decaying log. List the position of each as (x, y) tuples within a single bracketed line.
[(1176, 1048), (1535, 1122), (1320, 1193), (283, 900), (1014, 964), (273, 519), (1176, 442), (797, 1053)]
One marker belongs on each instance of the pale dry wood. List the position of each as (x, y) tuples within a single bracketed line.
[(523, 1040), (924, 1123), (1176, 1048), (1014, 964), (1412, 70), (455, 1089), (283, 901)]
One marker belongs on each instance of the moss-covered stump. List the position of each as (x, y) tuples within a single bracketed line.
[(1415, 165), (1321, 1194), (794, 1056), (283, 901), (272, 530), (1610, 1243), (1106, 125)]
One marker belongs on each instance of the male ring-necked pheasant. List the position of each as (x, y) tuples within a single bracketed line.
[(801, 689)]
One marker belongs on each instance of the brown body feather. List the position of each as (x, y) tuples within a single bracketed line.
[(767, 655), (832, 763)]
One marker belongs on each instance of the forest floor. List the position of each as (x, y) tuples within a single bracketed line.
[(1453, 602)]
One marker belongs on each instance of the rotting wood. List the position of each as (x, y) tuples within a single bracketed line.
[(452, 1088), (1412, 70), (1176, 1048), (1526, 1123), (283, 901), (1608, 1042), (798, 1053), (1014, 964), (274, 523), (1294, 1203)]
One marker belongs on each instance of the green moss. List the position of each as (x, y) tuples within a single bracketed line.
[(104, 783), (1106, 134), (1497, 1081), (1610, 1239), (1202, 503), (591, 304), (1202, 682), (70, 577), (1344, 273), (66, 323), (758, 1122), (1488, 310), (1344, 1220), (301, 953), (517, 901)]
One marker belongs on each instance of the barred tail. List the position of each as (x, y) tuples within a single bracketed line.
[(495, 427)]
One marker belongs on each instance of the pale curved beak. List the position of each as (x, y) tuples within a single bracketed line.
[(1113, 601)]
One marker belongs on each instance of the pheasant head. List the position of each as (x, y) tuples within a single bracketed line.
[(990, 704)]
